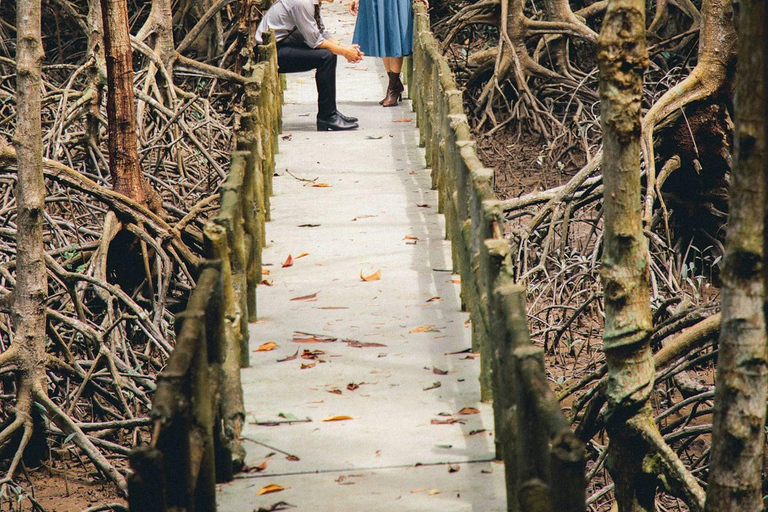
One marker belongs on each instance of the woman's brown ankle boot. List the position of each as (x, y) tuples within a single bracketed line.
[(394, 90)]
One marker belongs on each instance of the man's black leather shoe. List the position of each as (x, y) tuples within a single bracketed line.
[(348, 119), (334, 122)]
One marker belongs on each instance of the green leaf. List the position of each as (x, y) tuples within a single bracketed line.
[(69, 438), (374, 137), (288, 416)]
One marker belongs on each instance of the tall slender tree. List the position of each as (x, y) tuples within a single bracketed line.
[(738, 437), (622, 59), (127, 178)]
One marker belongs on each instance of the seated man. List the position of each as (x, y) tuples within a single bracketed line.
[(304, 44)]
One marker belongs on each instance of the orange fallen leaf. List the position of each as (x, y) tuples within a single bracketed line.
[(322, 185), (270, 489), (433, 492), (434, 299), (266, 283), (266, 347), (373, 277), (289, 358), (404, 120), (288, 261), (261, 467), (265, 271), (469, 410), (306, 297), (456, 280), (410, 237), (302, 255), (338, 418), (423, 328), (308, 365), (335, 391)]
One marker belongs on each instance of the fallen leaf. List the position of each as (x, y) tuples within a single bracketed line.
[(449, 421), (288, 261), (289, 358), (306, 297), (338, 418), (322, 185), (453, 469), (373, 277), (266, 347), (261, 467), (335, 391), (374, 137), (423, 328), (434, 385), (287, 136), (305, 337), (404, 120), (433, 492), (309, 225), (270, 489), (456, 280), (352, 386), (307, 366), (302, 255), (423, 205), (414, 491), (438, 371), (266, 283), (292, 458), (434, 299), (470, 356), (265, 271), (465, 351), (312, 354), (469, 410), (475, 432), (444, 446), (362, 344), (287, 416), (280, 505), (333, 307), (410, 237)]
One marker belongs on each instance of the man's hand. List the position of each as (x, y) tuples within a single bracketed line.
[(353, 54), (353, 7)]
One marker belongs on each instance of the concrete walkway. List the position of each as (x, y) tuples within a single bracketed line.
[(382, 357)]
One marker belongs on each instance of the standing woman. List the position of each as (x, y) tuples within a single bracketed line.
[(384, 29)]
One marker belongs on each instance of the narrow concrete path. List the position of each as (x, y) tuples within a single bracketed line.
[(349, 204)]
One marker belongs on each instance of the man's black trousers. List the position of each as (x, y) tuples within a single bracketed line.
[(292, 58)]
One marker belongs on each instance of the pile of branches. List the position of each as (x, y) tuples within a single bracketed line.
[(529, 72), (118, 271)]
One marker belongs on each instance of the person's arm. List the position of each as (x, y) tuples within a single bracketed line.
[(352, 53)]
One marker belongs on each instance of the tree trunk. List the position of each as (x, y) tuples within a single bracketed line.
[(97, 70), (622, 58), (742, 377), (31, 289), (127, 178)]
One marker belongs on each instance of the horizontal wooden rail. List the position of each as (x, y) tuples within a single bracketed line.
[(544, 461), (198, 408)]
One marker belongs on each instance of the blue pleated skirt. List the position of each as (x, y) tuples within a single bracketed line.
[(384, 28)]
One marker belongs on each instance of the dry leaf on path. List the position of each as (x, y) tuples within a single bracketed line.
[(423, 328), (338, 418), (307, 366), (404, 120), (433, 492), (335, 391), (280, 505), (266, 283), (289, 358), (469, 410), (288, 261), (353, 386), (312, 354), (362, 344), (438, 371), (434, 299), (270, 489), (306, 337), (302, 255), (322, 185), (373, 277), (434, 385), (266, 347), (265, 271), (306, 297), (449, 421), (410, 237), (453, 469)]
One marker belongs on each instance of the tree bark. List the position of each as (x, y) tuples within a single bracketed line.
[(742, 372), (622, 57), (127, 178), (31, 290)]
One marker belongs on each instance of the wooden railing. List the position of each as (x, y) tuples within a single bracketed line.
[(544, 461), (198, 408)]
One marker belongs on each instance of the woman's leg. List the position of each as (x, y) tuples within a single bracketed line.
[(395, 64), (387, 65)]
